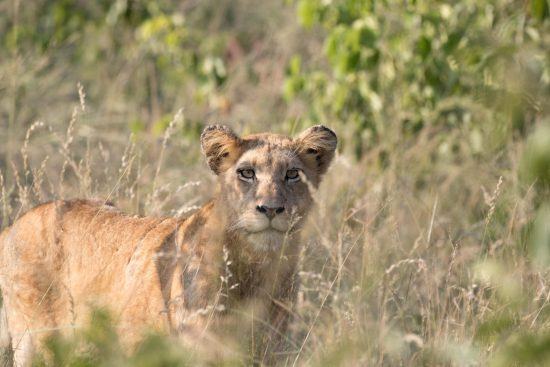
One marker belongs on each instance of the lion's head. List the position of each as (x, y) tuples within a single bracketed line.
[(265, 179)]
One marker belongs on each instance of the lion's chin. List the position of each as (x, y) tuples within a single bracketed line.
[(269, 239)]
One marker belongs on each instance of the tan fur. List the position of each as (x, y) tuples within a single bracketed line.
[(63, 258)]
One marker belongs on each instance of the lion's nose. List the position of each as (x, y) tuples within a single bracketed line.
[(269, 211)]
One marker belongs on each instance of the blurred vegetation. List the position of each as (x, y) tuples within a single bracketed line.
[(431, 242), (97, 345), (475, 66)]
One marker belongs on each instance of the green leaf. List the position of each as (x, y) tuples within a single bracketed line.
[(424, 46), (307, 12), (539, 9), (294, 65), (535, 164), (367, 37), (453, 41)]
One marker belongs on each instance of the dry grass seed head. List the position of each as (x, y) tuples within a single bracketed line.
[(492, 201), (81, 96)]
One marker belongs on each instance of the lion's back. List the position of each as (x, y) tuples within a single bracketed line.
[(60, 256), (38, 238)]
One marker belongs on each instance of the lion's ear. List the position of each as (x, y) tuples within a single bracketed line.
[(221, 147), (316, 147)]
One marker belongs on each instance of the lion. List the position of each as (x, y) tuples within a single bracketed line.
[(179, 276)]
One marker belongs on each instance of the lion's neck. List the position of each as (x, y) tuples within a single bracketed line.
[(244, 266)]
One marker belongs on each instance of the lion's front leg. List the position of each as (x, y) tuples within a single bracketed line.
[(199, 312), (275, 341)]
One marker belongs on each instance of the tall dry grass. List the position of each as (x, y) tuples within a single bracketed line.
[(394, 272)]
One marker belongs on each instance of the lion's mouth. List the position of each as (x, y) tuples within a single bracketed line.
[(268, 229), (261, 224)]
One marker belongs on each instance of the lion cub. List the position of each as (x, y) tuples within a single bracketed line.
[(176, 275)]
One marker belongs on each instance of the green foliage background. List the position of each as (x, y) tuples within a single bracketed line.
[(432, 241)]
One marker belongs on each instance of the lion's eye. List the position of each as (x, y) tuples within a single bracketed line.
[(292, 175), (246, 174)]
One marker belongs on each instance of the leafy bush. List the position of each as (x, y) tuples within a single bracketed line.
[(394, 69)]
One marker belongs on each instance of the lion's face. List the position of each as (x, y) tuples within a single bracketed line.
[(265, 179)]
